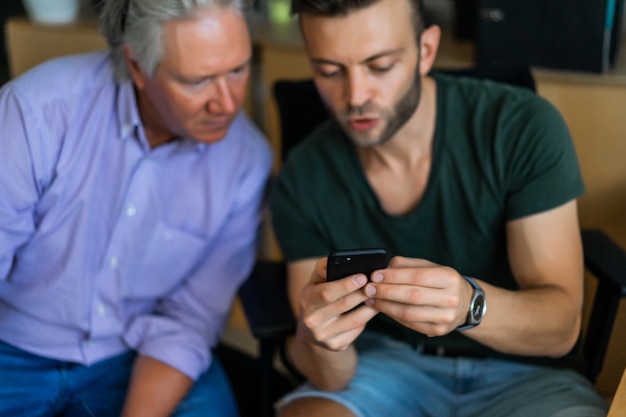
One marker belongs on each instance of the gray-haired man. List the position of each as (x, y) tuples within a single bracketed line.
[(131, 187)]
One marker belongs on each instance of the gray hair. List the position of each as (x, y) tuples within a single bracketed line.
[(138, 23)]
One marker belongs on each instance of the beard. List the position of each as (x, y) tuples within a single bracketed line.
[(402, 111)]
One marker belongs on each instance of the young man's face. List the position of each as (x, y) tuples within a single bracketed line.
[(366, 68), (198, 88)]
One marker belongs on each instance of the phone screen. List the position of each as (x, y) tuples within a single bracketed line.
[(342, 263)]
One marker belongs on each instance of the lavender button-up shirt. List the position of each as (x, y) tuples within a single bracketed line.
[(106, 244)]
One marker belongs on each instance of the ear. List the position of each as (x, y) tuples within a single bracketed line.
[(429, 44), (135, 71)]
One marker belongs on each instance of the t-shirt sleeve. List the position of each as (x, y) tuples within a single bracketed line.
[(543, 170)]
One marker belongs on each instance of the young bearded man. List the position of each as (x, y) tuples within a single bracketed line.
[(471, 186)]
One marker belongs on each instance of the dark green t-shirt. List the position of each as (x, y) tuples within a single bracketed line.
[(500, 153)]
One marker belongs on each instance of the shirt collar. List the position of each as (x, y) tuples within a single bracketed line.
[(127, 112), (129, 120)]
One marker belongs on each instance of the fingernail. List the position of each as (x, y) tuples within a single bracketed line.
[(370, 290), (377, 277), (360, 280), (369, 302)]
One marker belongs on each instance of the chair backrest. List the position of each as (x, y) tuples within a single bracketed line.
[(300, 110)]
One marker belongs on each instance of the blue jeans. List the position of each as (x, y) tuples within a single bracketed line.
[(33, 386), (392, 375)]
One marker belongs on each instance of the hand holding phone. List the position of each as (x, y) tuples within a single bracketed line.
[(343, 263)]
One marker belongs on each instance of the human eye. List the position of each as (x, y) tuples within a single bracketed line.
[(328, 71), (240, 69), (196, 82), (381, 67), (332, 74)]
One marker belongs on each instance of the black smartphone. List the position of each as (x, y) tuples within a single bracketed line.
[(342, 263)]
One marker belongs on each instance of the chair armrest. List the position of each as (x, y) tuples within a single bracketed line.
[(265, 302), (605, 260)]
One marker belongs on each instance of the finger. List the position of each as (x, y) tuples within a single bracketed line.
[(342, 331), (414, 295), (413, 314), (402, 262), (322, 312), (319, 274), (330, 292), (431, 276), (341, 341), (424, 319)]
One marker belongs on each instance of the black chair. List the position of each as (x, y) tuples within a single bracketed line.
[(264, 296)]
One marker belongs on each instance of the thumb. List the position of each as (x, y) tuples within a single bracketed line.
[(319, 273)]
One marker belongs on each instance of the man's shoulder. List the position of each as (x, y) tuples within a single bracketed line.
[(248, 133), (65, 75), (499, 102), (245, 142), (470, 89)]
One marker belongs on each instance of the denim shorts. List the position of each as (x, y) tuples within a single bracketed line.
[(393, 378)]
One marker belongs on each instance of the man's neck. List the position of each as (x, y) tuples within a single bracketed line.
[(398, 171), (412, 142), (155, 130)]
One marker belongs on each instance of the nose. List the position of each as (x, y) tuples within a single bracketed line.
[(223, 101), (358, 89)]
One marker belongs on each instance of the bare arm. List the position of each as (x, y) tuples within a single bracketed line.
[(541, 318), (155, 389), (544, 316), (322, 347)]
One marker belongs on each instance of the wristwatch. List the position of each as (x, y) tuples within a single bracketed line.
[(477, 307)]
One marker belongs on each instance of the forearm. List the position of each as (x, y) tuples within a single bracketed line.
[(326, 369), (155, 389), (543, 321)]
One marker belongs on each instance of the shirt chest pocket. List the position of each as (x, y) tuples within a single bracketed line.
[(168, 257)]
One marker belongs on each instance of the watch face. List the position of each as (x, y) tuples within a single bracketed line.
[(477, 307)]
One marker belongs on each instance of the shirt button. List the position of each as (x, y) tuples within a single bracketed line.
[(113, 261), (131, 211), (101, 310)]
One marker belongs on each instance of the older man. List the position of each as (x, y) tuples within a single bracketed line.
[(131, 187)]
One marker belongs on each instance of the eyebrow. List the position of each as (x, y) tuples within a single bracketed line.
[(365, 61), (185, 78)]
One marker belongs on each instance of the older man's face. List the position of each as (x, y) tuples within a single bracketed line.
[(199, 86)]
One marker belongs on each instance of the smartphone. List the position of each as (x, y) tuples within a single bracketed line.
[(342, 263)]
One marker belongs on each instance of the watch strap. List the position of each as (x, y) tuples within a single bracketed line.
[(475, 287)]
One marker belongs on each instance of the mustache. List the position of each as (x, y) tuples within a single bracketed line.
[(355, 111)]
